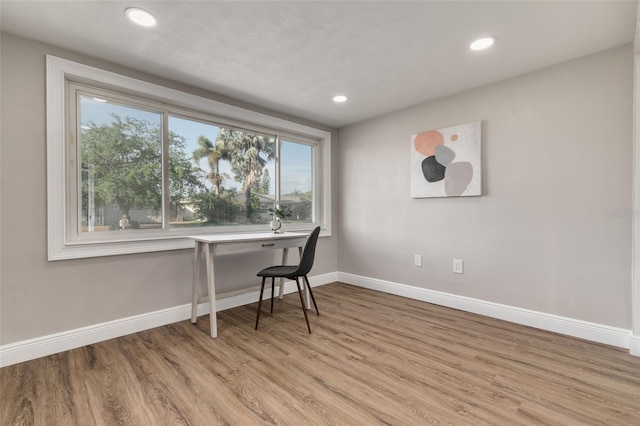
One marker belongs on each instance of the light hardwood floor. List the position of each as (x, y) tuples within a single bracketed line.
[(373, 358)]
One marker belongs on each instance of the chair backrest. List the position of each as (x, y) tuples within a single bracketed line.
[(308, 253)]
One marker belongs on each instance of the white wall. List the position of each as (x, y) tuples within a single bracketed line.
[(39, 298), (552, 232)]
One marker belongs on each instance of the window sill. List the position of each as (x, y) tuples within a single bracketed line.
[(166, 243)]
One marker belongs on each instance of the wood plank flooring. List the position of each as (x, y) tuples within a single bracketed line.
[(372, 359)]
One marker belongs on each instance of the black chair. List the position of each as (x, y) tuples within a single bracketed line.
[(293, 272)]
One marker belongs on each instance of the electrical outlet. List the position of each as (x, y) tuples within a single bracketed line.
[(417, 260), (458, 266)]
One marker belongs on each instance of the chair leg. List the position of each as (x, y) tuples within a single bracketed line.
[(304, 308), (306, 280), (272, 281), (260, 302)]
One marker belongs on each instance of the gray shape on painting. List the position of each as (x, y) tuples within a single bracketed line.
[(457, 178), (444, 155)]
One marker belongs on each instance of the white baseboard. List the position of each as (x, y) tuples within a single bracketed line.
[(26, 350), (576, 328)]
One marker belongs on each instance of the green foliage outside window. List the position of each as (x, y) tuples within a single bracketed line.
[(222, 208), (121, 163)]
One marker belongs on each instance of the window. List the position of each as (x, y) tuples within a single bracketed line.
[(143, 166)]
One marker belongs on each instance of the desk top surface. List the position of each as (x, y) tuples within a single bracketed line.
[(257, 236)]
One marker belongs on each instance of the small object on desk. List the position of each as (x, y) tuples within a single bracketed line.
[(279, 213), (276, 224)]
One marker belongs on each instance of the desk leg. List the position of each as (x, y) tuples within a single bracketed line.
[(197, 251), (285, 254), (208, 252)]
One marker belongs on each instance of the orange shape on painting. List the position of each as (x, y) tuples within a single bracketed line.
[(426, 142), (454, 137)]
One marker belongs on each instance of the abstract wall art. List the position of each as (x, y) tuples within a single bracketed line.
[(447, 162)]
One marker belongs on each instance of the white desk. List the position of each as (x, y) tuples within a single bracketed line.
[(221, 244)]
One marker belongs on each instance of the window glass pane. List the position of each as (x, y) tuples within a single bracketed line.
[(218, 175), (193, 170), (296, 180), (121, 169), (252, 164), (263, 191)]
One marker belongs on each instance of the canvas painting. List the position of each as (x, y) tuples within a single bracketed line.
[(447, 162)]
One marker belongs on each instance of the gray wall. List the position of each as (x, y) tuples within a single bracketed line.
[(38, 297), (552, 232)]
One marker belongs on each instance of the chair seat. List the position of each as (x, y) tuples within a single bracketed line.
[(278, 271)]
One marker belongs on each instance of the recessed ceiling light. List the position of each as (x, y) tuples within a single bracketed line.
[(141, 17), (340, 98), (482, 43)]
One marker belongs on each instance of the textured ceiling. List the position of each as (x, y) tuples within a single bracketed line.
[(293, 56)]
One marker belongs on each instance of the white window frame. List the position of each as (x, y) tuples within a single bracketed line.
[(60, 244)]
